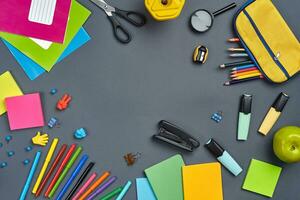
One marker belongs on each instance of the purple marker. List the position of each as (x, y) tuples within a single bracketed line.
[(102, 188)]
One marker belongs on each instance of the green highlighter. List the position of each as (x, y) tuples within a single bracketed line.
[(113, 193), (244, 117), (64, 173)]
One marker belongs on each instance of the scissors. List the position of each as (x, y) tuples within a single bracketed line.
[(135, 18)]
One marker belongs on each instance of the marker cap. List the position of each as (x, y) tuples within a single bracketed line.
[(246, 103), (280, 102), (214, 148)]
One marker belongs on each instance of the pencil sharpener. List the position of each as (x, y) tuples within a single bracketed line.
[(162, 10), (200, 54)]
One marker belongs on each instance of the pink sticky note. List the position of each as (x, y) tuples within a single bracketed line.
[(24, 111), (41, 19)]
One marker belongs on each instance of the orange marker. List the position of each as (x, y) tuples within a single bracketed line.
[(244, 70), (94, 185)]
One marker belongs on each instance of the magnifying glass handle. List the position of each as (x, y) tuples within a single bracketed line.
[(230, 6)]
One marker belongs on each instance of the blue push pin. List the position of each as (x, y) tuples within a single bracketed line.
[(80, 133), (52, 122), (8, 138), (29, 148), (217, 117), (3, 164), (10, 153), (53, 91), (26, 162)]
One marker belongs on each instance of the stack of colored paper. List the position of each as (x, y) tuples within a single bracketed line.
[(42, 33)]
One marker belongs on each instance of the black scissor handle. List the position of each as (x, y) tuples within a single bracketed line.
[(121, 34), (135, 18)]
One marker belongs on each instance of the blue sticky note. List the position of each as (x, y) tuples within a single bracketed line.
[(144, 190), (32, 69)]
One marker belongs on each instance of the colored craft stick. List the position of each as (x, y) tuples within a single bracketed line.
[(45, 165), (244, 70), (245, 73), (124, 191), (66, 170), (80, 180), (243, 67), (102, 188), (236, 49), (73, 176), (239, 63), (236, 55), (94, 185), (30, 176), (247, 76), (111, 194), (233, 40), (51, 170), (242, 80), (85, 186), (60, 169)]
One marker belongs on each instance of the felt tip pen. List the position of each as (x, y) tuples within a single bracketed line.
[(223, 157), (274, 113), (113, 193), (244, 116), (103, 187), (124, 191)]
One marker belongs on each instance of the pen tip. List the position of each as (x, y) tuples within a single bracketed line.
[(222, 66), (226, 83)]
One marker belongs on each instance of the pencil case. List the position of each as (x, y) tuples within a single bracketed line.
[(268, 40)]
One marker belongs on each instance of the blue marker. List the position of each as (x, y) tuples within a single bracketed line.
[(73, 176), (124, 191), (30, 176), (223, 157)]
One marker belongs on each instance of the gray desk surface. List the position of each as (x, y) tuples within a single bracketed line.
[(120, 92)]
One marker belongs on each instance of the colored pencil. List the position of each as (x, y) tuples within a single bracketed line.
[(80, 180), (45, 165), (66, 170), (102, 188), (244, 70), (237, 55), (51, 170), (239, 63), (124, 191), (113, 193), (30, 176), (233, 40), (232, 82), (247, 76), (60, 169), (94, 185), (85, 186), (244, 73), (243, 67), (232, 49), (73, 176)]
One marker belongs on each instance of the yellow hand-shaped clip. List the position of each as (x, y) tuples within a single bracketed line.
[(39, 139)]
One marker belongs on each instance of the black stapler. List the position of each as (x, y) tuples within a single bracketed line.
[(172, 134)]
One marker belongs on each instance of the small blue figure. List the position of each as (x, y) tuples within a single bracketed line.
[(52, 122), (53, 91), (3, 164), (26, 162), (29, 148), (10, 153), (8, 138), (80, 133), (217, 117)]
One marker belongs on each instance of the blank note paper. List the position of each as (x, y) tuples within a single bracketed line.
[(144, 190), (262, 178), (24, 111), (202, 182)]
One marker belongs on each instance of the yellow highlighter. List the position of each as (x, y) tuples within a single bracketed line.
[(273, 114), (45, 165)]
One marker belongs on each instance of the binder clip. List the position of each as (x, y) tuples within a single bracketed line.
[(172, 134)]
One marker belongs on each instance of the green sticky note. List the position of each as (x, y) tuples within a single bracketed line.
[(262, 178), (47, 57), (165, 178)]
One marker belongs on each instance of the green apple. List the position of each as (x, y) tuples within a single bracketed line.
[(286, 144)]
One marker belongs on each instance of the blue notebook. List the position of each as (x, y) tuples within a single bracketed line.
[(144, 190)]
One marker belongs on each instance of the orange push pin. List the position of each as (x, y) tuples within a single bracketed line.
[(63, 103)]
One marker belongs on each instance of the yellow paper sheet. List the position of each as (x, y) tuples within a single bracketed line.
[(8, 88)]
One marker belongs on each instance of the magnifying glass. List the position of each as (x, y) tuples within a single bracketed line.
[(202, 20)]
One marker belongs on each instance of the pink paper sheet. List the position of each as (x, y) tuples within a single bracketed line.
[(14, 19), (24, 111)]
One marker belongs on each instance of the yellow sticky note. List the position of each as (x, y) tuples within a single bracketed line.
[(8, 88), (202, 182)]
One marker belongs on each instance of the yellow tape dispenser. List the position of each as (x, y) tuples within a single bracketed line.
[(162, 10)]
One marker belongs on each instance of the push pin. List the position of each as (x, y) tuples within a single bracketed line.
[(53, 91), (29, 148), (63, 103), (80, 133), (26, 162), (200, 54), (131, 158), (3, 164), (8, 138), (217, 117), (10, 153), (52, 122)]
